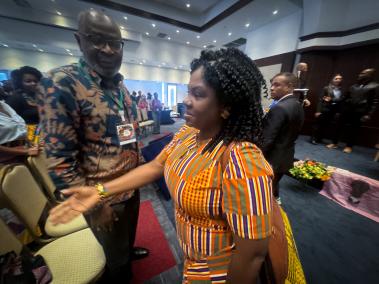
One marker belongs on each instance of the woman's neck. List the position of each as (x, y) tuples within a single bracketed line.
[(208, 133)]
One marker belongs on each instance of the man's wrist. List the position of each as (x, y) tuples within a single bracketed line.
[(101, 191)]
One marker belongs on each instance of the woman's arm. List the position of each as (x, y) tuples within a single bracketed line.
[(84, 198), (247, 260), (20, 150)]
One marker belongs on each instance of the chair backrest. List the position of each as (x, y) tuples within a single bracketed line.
[(23, 196), (38, 167), (139, 114), (144, 114), (8, 241)]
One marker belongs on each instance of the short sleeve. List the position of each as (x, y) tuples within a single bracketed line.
[(247, 192), (181, 135)]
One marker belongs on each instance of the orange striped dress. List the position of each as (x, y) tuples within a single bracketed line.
[(211, 205)]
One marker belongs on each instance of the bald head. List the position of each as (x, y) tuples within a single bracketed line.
[(366, 75), (92, 20), (100, 41), (302, 66)]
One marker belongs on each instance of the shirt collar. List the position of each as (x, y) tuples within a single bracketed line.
[(282, 98)]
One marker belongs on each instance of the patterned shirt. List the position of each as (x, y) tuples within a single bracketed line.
[(79, 119), (212, 204)]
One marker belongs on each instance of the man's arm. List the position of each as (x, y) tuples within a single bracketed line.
[(60, 120), (274, 121)]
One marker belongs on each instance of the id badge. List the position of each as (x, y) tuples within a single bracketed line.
[(126, 133)]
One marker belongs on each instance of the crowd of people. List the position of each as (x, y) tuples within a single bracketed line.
[(222, 168)]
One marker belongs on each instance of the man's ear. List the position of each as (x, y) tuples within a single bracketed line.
[(78, 40)]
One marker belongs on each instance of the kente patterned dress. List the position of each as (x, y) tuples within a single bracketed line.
[(212, 204)]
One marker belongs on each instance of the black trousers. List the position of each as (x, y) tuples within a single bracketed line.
[(352, 122), (118, 243), (322, 122), (275, 184)]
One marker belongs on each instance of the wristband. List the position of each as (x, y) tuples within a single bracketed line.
[(101, 190)]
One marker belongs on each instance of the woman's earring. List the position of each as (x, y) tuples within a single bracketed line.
[(225, 114)]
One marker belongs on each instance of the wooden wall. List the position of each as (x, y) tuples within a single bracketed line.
[(323, 64)]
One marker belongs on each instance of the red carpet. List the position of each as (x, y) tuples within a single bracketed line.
[(151, 236)]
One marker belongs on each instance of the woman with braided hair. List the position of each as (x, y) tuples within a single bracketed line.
[(218, 178)]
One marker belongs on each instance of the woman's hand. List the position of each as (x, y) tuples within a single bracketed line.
[(81, 200), (33, 151)]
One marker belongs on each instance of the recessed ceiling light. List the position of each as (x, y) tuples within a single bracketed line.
[(215, 41), (187, 42), (68, 50), (34, 45), (204, 46), (275, 12), (169, 38), (122, 27), (147, 33), (125, 17), (229, 34), (247, 25), (70, 53), (40, 49), (140, 63), (59, 13), (197, 36), (5, 45), (188, 5), (154, 25), (177, 31)]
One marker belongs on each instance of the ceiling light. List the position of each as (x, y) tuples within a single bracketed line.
[(154, 25), (34, 45), (122, 27), (143, 60), (188, 5), (125, 17), (197, 36), (59, 13), (177, 31), (275, 12), (204, 46), (176, 67), (247, 25), (40, 49), (215, 41), (70, 53), (169, 38), (163, 63), (159, 65), (187, 42), (147, 33), (140, 63), (68, 50), (5, 45), (229, 34)]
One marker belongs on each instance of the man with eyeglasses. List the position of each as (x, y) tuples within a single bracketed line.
[(90, 139)]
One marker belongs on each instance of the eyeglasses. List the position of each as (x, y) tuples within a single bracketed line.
[(99, 42)]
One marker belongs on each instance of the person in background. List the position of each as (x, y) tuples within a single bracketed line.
[(301, 73), (143, 104), (13, 148), (25, 99), (7, 88), (281, 127), (84, 107), (149, 100), (328, 110), (359, 105), (156, 107)]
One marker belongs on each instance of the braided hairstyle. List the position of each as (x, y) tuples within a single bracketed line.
[(237, 83)]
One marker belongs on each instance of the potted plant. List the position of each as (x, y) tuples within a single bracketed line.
[(311, 172)]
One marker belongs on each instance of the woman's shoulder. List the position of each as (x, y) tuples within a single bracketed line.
[(247, 157)]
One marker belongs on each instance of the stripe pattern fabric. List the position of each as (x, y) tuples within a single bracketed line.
[(212, 204)]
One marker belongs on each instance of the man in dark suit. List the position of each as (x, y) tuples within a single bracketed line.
[(281, 126)]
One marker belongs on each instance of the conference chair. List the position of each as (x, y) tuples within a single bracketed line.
[(77, 258)]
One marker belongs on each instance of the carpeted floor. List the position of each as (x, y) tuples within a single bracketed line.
[(150, 235)]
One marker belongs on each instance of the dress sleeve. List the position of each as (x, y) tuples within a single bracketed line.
[(183, 132), (247, 193)]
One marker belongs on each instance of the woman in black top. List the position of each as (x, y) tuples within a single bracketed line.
[(23, 100)]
